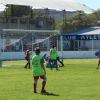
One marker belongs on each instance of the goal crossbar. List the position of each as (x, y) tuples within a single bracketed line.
[(29, 31)]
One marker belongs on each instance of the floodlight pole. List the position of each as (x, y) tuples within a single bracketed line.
[(64, 17), (46, 12)]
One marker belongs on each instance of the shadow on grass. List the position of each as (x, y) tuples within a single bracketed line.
[(51, 94)]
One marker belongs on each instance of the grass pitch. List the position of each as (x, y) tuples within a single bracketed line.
[(77, 80)]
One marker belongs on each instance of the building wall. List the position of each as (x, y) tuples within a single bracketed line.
[(66, 54)]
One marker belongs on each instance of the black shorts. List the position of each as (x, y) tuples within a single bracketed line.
[(58, 58), (37, 77), (27, 58)]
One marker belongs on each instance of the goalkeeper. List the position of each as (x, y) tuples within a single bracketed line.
[(38, 70)]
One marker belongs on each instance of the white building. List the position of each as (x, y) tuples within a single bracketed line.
[(84, 43)]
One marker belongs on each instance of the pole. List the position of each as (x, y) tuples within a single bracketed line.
[(61, 41), (0, 52), (48, 45), (57, 44), (92, 46), (32, 43), (22, 44), (64, 17)]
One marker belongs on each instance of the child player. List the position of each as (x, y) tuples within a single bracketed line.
[(27, 58), (38, 70)]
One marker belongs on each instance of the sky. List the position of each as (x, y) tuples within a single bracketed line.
[(94, 4)]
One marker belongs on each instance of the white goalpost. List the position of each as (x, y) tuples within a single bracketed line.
[(14, 42)]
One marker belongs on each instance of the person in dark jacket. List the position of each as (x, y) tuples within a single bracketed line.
[(27, 58)]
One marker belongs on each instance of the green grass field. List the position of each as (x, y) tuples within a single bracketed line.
[(78, 80)]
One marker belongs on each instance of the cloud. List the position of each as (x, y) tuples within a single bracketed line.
[(72, 0), (2, 7)]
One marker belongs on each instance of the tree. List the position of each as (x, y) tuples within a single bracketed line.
[(97, 14), (91, 20)]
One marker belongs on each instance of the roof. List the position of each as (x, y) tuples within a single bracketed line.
[(50, 4), (87, 31)]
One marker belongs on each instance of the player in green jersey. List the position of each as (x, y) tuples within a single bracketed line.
[(38, 70), (53, 57)]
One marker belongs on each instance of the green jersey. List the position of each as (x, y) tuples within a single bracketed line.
[(36, 65), (53, 54)]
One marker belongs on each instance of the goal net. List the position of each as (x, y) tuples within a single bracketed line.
[(14, 42)]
